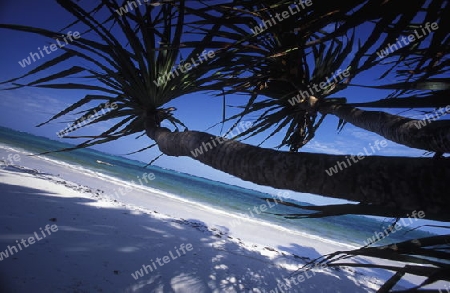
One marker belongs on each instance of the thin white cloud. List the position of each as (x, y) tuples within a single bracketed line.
[(27, 100), (323, 147)]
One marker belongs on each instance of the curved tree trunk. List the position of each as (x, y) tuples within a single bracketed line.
[(397, 183), (421, 134)]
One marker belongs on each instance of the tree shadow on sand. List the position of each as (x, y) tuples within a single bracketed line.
[(97, 249)]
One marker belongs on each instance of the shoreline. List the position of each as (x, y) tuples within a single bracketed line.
[(82, 244), (139, 196), (133, 231)]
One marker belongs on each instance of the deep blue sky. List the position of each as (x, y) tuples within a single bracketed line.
[(23, 109)]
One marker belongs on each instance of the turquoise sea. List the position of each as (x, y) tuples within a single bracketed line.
[(352, 230)]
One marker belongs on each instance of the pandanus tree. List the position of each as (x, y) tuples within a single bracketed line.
[(138, 71), (280, 71), (291, 99), (279, 64)]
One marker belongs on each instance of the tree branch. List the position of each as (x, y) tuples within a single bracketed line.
[(420, 134), (393, 182)]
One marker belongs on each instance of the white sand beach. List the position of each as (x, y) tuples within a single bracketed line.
[(177, 245)]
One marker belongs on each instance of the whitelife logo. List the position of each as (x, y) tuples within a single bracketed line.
[(296, 281), (430, 118), (166, 259), (132, 5), (341, 165), (128, 188), (221, 139), (53, 47), (377, 236), (11, 250), (316, 88), (280, 197), (405, 41), (10, 160), (85, 120), (184, 67), (279, 17)]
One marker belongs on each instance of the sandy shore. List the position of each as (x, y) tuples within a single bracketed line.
[(145, 242)]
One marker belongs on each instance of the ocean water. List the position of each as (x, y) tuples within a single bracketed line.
[(349, 229)]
